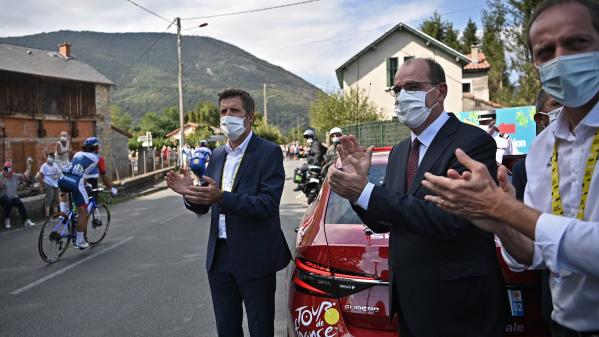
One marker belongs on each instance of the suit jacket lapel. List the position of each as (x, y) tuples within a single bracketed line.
[(218, 160), (245, 161), (434, 152)]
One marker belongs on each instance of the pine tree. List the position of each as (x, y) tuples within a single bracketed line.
[(451, 36), (434, 27), (494, 23), (520, 12), (469, 37)]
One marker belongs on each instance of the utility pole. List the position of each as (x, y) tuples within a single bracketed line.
[(265, 99), (180, 64)]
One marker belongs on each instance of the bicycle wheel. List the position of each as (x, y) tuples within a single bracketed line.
[(97, 224), (54, 238)]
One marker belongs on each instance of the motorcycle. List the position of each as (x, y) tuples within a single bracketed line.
[(308, 181)]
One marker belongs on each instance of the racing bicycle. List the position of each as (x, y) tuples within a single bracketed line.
[(60, 229)]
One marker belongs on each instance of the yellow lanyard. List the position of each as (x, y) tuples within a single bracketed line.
[(222, 179), (556, 201)]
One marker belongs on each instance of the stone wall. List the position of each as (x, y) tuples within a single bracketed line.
[(103, 122), (120, 156)]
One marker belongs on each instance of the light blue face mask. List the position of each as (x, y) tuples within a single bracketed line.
[(572, 80)]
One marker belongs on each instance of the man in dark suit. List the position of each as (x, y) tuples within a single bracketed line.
[(246, 247), (445, 279)]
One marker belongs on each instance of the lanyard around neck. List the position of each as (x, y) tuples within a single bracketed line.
[(222, 179), (556, 201)]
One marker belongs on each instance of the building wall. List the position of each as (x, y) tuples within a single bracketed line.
[(103, 129), (479, 84), (120, 153), (369, 71), (21, 138)]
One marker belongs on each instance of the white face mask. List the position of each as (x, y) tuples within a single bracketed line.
[(309, 141), (411, 108), (63, 139), (335, 140), (232, 126), (50, 160)]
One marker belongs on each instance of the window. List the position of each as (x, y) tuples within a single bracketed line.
[(339, 210), (407, 58), (391, 70), (466, 87)]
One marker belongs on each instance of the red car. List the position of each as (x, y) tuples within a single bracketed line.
[(339, 279)]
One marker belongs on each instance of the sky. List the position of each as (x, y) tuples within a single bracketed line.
[(310, 39)]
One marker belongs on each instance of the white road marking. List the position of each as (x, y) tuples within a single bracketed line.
[(67, 268)]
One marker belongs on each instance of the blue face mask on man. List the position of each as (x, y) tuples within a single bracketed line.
[(572, 80)]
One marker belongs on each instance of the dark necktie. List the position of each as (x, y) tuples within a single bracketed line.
[(412, 162)]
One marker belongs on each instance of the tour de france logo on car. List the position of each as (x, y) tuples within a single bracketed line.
[(317, 321)]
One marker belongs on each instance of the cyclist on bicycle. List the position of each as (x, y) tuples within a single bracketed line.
[(199, 159), (72, 181)]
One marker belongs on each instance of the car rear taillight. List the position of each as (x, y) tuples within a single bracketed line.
[(319, 280)]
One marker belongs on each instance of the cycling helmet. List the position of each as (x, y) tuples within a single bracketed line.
[(91, 141), (308, 134), (335, 130)]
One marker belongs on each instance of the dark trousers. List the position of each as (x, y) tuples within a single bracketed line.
[(8, 205), (229, 293)]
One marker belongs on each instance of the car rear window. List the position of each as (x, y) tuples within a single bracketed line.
[(339, 210)]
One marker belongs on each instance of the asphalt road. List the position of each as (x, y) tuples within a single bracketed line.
[(146, 278)]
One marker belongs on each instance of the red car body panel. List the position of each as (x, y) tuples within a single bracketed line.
[(338, 282)]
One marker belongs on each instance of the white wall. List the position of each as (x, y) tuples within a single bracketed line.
[(372, 75)]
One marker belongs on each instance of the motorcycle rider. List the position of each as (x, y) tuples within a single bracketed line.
[(314, 155), (331, 155)]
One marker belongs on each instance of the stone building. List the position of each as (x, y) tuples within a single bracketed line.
[(45, 92)]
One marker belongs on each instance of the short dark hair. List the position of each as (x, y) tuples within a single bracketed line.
[(248, 102), (436, 74), (592, 7)]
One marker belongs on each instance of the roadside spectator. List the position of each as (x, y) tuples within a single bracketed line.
[(9, 198), (557, 227), (48, 178), (63, 150), (164, 153)]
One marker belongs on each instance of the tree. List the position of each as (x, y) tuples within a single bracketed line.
[(120, 118), (434, 27), (469, 37), (451, 36), (494, 23), (268, 132), (341, 109), (520, 12), (204, 112)]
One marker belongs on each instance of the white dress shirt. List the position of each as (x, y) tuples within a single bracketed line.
[(425, 137), (567, 246), (232, 162)]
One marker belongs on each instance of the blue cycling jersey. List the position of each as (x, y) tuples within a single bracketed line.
[(81, 164)]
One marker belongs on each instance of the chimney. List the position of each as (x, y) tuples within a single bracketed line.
[(64, 48), (474, 53)]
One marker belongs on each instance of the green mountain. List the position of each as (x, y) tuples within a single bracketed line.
[(144, 68)]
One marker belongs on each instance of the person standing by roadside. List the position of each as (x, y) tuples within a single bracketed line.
[(48, 178), (246, 246), (63, 150), (9, 198), (441, 266), (557, 227)]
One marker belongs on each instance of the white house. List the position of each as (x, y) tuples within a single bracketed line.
[(372, 70)]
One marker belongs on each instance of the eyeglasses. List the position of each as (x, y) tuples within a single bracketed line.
[(410, 87)]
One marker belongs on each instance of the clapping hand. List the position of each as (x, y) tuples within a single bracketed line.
[(179, 182), (204, 195), (349, 177)]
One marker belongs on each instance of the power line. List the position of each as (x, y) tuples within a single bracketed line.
[(250, 11), (160, 36), (149, 11)]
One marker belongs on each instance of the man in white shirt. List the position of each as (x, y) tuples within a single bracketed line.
[(558, 226)]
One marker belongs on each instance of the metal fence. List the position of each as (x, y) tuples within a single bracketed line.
[(378, 133)]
